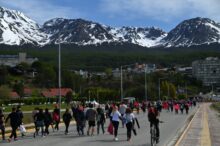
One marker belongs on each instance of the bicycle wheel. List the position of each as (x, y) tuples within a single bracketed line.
[(153, 136)]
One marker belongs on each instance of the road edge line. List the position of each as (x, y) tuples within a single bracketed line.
[(187, 128)]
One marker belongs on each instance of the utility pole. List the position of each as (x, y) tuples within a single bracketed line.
[(159, 89), (59, 80), (121, 85), (145, 77)]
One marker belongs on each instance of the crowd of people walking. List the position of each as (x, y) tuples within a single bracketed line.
[(95, 116)]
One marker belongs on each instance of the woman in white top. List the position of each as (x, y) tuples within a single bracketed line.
[(129, 117), (115, 117)]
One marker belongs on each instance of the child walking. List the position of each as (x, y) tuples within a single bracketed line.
[(129, 117)]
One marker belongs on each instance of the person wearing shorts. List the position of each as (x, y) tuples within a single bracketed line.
[(91, 117)]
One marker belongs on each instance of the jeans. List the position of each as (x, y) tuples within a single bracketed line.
[(102, 126), (67, 126), (129, 126), (115, 125)]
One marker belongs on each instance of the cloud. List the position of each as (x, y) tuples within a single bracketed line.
[(163, 10), (41, 10)]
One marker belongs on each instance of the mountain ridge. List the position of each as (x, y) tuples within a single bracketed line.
[(18, 29)]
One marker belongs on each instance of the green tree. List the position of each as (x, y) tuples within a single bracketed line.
[(19, 88), (172, 91), (46, 76), (108, 72), (3, 75), (4, 92)]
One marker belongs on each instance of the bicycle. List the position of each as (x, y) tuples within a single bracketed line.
[(153, 137)]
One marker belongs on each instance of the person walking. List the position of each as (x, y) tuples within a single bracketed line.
[(47, 121), (2, 126), (129, 118), (40, 118), (56, 117), (100, 119), (20, 119), (182, 107), (122, 110), (80, 120), (187, 107), (34, 112), (20, 114), (176, 107), (91, 117), (115, 117), (66, 119), (13, 116)]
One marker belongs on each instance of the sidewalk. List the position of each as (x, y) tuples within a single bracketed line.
[(203, 130)]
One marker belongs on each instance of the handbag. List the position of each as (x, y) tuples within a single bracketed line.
[(110, 128)]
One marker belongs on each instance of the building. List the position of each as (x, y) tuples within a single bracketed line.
[(13, 60), (184, 70), (208, 71)]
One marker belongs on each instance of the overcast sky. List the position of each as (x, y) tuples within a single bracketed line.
[(165, 14)]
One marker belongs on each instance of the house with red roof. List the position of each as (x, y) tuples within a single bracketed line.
[(14, 95), (54, 92), (27, 92)]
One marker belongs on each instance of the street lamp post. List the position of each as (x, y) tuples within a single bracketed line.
[(159, 89), (121, 85), (122, 79), (59, 74), (145, 82)]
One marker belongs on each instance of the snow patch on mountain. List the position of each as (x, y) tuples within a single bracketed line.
[(17, 29)]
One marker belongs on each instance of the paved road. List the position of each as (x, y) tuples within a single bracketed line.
[(172, 123), (203, 129)]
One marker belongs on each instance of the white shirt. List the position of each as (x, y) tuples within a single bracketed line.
[(129, 117), (115, 116), (122, 109)]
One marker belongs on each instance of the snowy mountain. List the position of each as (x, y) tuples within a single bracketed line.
[(194, 31), (17, 29), (76, 31), (84, 32), (147, 37)]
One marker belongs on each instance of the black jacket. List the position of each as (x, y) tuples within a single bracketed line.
[(14, 119), (67, 117)]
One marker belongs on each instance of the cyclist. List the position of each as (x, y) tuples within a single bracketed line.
[(153, 115)]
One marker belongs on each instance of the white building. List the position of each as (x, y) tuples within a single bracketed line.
[(208, 71), (13, 60)]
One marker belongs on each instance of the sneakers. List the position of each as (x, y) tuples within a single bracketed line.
[(157, 140), (116, 139), (9, 140)]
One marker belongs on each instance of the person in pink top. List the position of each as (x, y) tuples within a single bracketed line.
[(176, 108)]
